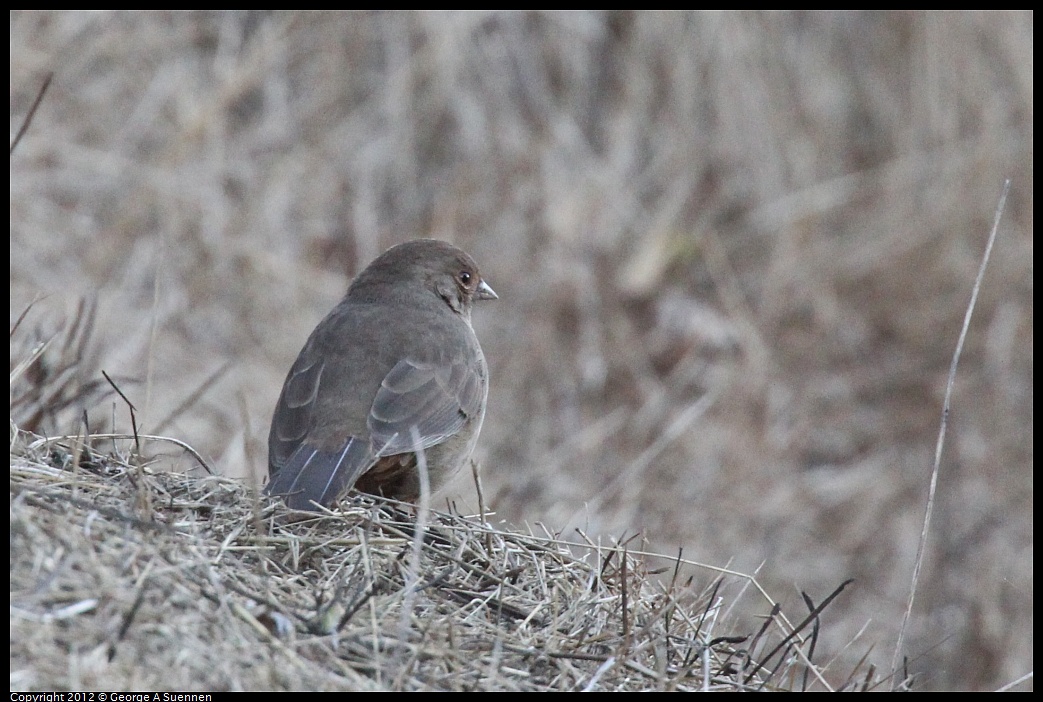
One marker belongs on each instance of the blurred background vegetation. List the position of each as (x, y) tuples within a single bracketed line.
[(733, 252)]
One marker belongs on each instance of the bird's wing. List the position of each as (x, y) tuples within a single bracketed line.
[(318, 448), (301, 468), (293, 415), (435, 398)]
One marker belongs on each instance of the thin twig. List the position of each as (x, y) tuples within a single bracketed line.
[(32, 112), (900, 644), (133, 412)]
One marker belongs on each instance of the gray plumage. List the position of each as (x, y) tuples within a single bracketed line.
[(393, 369)]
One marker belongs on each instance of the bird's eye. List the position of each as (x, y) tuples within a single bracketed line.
[(465, 278)]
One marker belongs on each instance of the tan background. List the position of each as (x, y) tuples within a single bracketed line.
[(733, 253)]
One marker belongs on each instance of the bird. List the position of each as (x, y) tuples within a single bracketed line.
[(395, 369)]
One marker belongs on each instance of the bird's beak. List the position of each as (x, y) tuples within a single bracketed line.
[(486, 293)]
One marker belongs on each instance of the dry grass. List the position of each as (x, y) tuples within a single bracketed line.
[(733, 253), (123, 578)]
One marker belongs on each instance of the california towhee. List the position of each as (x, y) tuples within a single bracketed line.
[(393, 369)]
